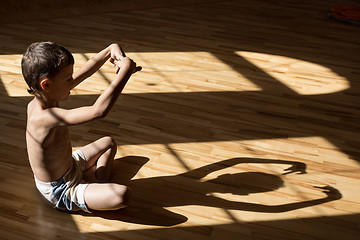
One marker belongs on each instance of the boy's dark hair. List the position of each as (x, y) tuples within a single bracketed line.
[(43, 59)]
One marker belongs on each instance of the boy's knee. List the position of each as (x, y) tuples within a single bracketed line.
[(127, 197), (122, 197), (110, 142)]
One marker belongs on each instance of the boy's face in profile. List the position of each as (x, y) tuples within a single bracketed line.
[(59, 86)]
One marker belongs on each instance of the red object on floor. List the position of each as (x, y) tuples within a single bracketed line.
[(346, 12)]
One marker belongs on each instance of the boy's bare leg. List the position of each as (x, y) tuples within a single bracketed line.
[(106, 196), (99, 156)]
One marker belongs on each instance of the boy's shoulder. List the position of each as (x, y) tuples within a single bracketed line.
[(34, 108), (36, 114)]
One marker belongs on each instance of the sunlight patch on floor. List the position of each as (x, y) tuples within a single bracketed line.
[(204, 73), (303, 77)]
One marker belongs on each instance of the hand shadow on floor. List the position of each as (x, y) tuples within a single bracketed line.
[(152, 195)]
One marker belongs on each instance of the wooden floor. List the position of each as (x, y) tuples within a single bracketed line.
[(243, 124)]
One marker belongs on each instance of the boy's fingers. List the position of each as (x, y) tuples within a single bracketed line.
[(119, 55), (113, 61), (122, 52), (116, 62)]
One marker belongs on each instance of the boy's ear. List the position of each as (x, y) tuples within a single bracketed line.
[(45, 84)]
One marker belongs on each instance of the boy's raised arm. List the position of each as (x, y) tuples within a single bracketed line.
[(113, 51), (106, 100), (59, 116)]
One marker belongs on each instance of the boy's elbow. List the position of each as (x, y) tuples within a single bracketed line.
[(100, 113)]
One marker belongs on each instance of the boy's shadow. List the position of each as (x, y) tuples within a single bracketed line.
[(152, 195)]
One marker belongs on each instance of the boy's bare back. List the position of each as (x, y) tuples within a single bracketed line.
[(49, 148)]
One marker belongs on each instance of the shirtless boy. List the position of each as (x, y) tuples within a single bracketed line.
[(78, 180)]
